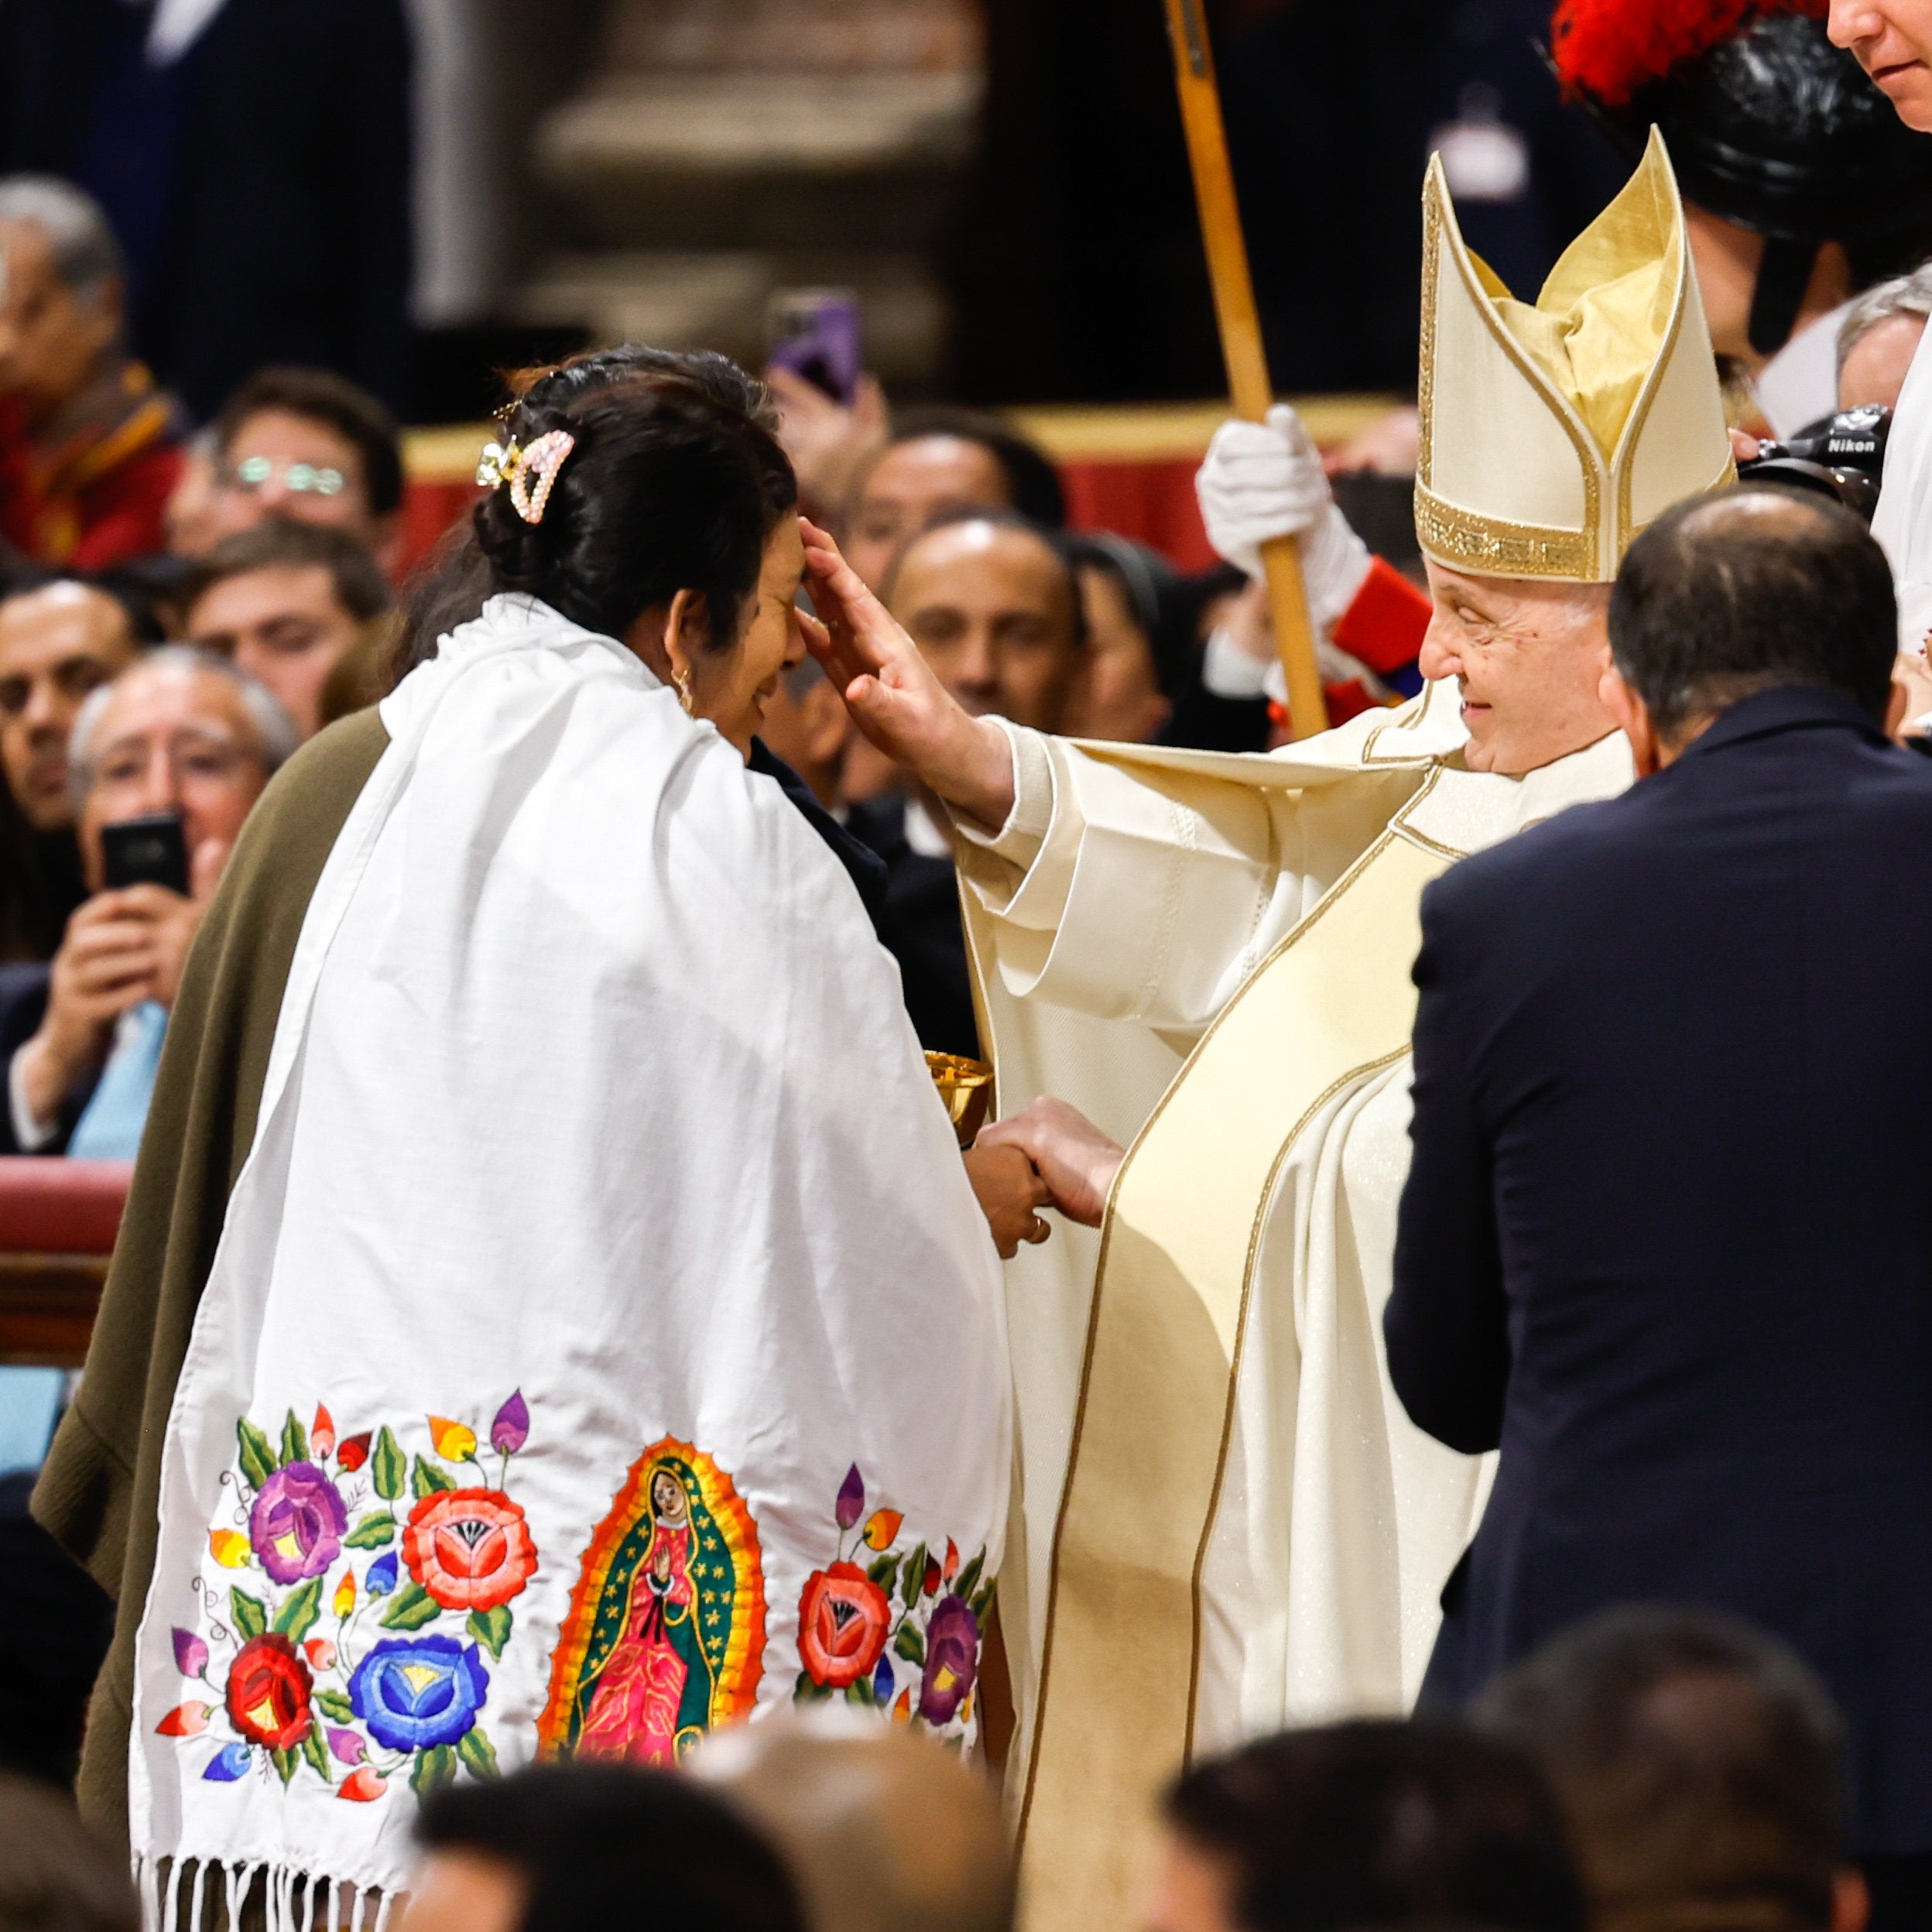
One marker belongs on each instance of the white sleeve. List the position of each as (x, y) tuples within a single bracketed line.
[(29, 1134), (1146, 894)]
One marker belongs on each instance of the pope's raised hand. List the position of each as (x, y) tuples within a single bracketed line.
[(892, 694)]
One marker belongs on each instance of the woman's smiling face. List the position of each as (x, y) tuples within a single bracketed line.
[(730, 687)]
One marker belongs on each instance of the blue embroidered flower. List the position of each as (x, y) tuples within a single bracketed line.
[(416, 1692)]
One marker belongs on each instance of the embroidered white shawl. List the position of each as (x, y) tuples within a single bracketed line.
[(603, 1340)]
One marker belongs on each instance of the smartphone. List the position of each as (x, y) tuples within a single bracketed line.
[(146, 852), (815, 333)]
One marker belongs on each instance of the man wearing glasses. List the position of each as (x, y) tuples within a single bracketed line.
[(308, 446), (182, 732)]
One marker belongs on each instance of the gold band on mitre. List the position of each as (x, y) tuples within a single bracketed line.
[(1553, 433)]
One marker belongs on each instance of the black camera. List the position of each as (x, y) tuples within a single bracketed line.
[(1841, 457)]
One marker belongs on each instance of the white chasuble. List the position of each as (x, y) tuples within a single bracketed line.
[(1227, 1524), (603, 1343)]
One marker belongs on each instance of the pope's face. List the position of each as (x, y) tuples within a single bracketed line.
[(1528, 656), (1892, 40)]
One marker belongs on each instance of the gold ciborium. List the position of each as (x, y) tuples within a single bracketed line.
[(967, 1087)]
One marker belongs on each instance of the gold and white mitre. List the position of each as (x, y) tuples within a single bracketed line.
[(1553, 435)]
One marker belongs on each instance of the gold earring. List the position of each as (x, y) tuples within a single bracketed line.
[(682, 681)]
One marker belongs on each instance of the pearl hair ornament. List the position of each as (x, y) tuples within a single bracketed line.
[(531, 474)]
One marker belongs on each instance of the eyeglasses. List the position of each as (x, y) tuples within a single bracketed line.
[(255, 473)]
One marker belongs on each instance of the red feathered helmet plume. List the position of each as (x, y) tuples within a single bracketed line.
[(1608, 49)]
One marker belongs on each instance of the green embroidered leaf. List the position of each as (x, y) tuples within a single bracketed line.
[(333, 1703), (250, 1615), (429, 1479), (295, 1441), (258, 1459), (434, 1767), (963, 1584), (386, 1466), (805, 1691), (885, 1572), (859, 1691), (284, 1762), (909, 1644), (492, 1628), (912, 1577), (478, 1753), (297, 1617), (316, 1752), (372, 1531), (983, 1601), (410, 1609)]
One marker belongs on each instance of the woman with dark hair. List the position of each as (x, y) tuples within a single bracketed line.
[(540, 1135)]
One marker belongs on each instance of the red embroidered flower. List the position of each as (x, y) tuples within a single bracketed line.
[(469, 1549), (269, 1686), (843, 1619)]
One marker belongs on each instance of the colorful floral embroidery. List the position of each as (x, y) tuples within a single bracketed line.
[(851, 1639), (665, 1639), (292, 1698)]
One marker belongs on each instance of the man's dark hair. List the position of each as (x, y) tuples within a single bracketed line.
[(323, 396), (1382, 1824), (1033, 484), (116, 585), (1698, 1762), (277, 543), (1746, 590), (675, 481), (581, 1835), (1055, 543)]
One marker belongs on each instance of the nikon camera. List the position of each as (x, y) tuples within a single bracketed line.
[(1841, 457)]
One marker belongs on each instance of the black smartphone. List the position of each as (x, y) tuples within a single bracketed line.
[(146, 852)]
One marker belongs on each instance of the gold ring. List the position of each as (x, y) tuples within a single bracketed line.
[(1037, 1231)]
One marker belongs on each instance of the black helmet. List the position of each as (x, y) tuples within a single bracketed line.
[(1772, 127)]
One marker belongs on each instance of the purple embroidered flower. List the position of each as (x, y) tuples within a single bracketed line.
[(952, 1660), (190, 1653), (297, 1522), (851, 1497), (511, 1428)]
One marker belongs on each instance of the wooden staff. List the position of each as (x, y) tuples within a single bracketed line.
[(1241, 345)]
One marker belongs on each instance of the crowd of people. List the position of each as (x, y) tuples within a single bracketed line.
[(1455, 1457)]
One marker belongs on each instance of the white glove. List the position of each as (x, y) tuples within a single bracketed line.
[(1264, 480)]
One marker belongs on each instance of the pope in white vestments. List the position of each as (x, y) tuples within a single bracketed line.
[(1227, 1524)]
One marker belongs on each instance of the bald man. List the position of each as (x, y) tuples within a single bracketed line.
[(884, 1831), (995, 609)]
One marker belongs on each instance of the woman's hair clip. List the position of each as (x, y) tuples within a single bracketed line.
[(531, 474)]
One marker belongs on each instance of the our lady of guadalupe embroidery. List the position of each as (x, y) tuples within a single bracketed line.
[(665, 1639)]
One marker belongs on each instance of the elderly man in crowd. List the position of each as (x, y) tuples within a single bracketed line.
[(59, 641), (1879, 337), (1663, 1241), (88, 452), (995, 609), (1700, 1770), (184, 733), (1254, 917), (304, 444), (287, 603)]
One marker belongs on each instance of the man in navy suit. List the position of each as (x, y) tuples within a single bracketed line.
[(1667, 1238)]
